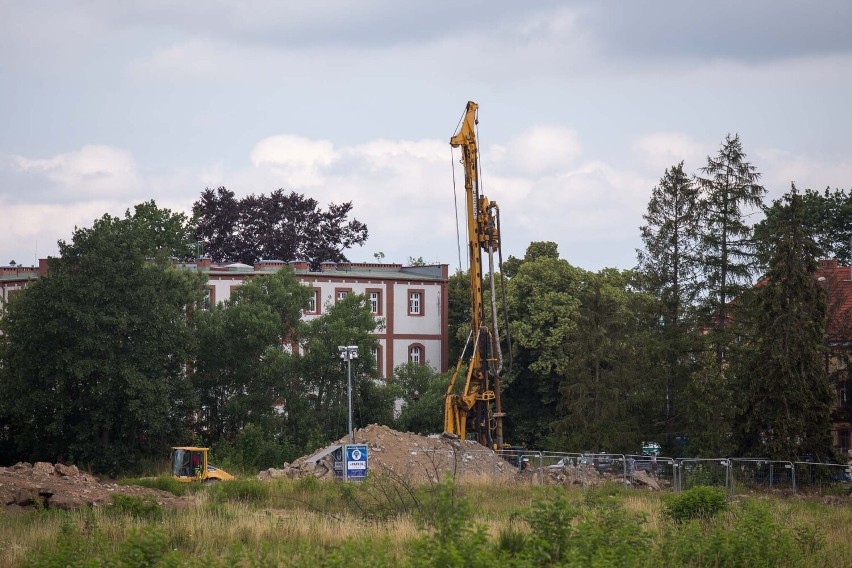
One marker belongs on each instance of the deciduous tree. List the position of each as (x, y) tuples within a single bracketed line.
[(94, 351), (285, 226)]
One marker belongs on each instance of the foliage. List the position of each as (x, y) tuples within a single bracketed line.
[(95, 349), (240, 490), (453, 538), (542, 303), (699, 502), (827, 216), (279, 226), (753, 538), (323, 374), (240, 363), (422, 391), (729, 193), (138, 507), (604, 389), (785, 397), (669, 269)]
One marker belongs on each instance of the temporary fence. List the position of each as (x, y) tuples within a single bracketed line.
[(737, 475)]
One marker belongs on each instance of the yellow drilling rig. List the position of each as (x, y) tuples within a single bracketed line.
[(478, 409)]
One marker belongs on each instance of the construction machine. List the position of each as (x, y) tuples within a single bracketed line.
[(477, 409), (189, 463)]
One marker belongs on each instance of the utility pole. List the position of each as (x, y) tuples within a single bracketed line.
[(347, 353)]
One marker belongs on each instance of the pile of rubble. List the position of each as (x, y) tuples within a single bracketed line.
[(412, 457), (27, 486)]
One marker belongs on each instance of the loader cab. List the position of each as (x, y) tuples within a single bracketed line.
[(189, 463)]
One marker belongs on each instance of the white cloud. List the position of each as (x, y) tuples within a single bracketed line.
[(295, 160), (94, 171)]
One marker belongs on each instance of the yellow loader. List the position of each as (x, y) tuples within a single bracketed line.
[(189, 463)]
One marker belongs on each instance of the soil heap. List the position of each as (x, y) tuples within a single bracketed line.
[(412, 457), (27, 486)]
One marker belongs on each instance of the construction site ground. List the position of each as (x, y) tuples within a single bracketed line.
[(56, 486), (410, 457), (428, 459)]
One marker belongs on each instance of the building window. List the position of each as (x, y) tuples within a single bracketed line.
[(341, 293), (415, 302), (374, 297), (843, 441), (416, 354), (841, 394), (377, 355), (313, 303)]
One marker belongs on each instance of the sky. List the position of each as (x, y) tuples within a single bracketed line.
[(583, 106)]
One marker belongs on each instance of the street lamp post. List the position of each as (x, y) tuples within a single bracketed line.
[(347, 353)]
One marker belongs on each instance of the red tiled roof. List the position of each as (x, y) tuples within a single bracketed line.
[(837, 281)]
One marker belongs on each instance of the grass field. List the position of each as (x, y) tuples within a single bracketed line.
[(385, 522)]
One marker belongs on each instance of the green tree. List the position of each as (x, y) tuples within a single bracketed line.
[(785, 397), (94, 352), (730, 192), (349, 321), (421, 390), (603, 384), (542, 299), (240, 341), (669, 267), (827, 215)]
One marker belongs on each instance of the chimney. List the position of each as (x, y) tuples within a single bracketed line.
[(299, 264), (827, 264), (328, 266)]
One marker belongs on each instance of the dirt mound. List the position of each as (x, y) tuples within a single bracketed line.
[(412, 457), (582, 475), (26, 486)]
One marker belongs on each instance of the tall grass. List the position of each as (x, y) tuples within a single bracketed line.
[(313, 523)]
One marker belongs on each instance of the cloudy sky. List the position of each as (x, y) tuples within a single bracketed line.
[(583, 105)]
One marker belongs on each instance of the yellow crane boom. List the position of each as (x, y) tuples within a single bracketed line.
[(478, 407)]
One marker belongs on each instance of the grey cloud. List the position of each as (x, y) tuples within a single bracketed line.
[(755, 30)]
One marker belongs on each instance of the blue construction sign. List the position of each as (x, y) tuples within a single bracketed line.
[(356, 462)]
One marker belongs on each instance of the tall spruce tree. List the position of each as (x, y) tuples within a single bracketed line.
[(785, 396), (729, 192), (669, 269)]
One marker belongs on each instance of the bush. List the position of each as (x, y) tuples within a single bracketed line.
[(140, 507), (700, 502), (244, 490)]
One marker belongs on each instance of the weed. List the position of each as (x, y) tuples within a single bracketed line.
[(145, 508), (699, 502)]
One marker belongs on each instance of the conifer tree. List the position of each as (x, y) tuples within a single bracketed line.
[(668, 266), (729, 192), (785, 396)]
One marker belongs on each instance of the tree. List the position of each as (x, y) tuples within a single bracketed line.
[(421, 390), (730, 190), (349, 321), (669, 269), (784, 393), (281, 226), (603, 383), (827, 214), (94, 352), (240, 342)]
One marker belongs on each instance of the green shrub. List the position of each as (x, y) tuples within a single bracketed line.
[(454, 538), (244, 490), (140, 507), (751, 538), (700, 502)]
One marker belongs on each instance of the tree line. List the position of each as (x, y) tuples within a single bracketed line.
[(714, 344), (110, 358)]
